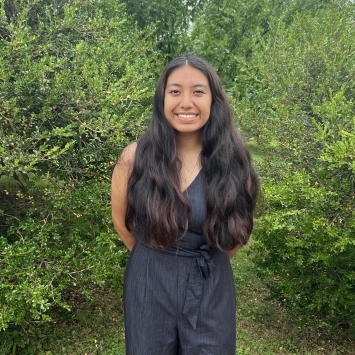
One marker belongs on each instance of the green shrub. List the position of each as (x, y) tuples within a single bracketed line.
[(76, 81), (302, 112)]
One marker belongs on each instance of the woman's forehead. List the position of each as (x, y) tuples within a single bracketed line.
[(187, 75)]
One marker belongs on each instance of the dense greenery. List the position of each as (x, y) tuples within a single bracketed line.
[(227, 31), (71, 94), (76, 82), (170, 20), (305, 110)]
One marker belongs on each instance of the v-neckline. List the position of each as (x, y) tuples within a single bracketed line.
[(191, 183)]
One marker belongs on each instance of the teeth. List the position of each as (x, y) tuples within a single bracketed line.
[(187, 116)]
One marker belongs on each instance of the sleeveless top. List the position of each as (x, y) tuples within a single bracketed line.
[(195, 193)]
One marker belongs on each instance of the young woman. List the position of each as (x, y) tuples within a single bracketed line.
[(183, 198)]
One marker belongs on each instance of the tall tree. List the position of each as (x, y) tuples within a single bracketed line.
[(171, 20), (226, 32)]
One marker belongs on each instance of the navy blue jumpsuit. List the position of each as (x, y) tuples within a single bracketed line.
[(180, 301)]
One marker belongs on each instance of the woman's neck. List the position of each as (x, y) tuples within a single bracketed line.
[(189, 149), (188, 144)]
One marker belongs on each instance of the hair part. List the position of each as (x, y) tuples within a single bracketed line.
[(231, 181)]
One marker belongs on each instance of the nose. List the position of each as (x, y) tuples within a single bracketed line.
[(186, 101)]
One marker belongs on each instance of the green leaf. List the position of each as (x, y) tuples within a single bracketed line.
[(351, 333)]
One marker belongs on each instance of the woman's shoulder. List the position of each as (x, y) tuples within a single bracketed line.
[(128, 154), (125, 162)]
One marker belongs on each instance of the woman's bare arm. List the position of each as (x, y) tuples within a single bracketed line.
[(119, 182), (232, 252)]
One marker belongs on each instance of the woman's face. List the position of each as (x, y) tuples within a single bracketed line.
[(187, 100)]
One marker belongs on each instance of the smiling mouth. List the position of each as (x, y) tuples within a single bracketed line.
[(185, 116)]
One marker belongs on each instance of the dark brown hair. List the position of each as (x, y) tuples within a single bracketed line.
[(157, 210)]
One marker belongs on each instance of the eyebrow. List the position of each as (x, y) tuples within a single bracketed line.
[(194, 86)]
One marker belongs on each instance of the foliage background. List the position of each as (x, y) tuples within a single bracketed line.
[(71, 97), (76, 83)]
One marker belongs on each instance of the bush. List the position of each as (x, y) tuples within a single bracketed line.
[(302, 111), (74, 89)]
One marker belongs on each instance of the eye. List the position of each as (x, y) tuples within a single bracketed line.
[(199, 92), (174, 92)]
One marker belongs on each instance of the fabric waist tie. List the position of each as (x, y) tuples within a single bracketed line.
[(202, 269)]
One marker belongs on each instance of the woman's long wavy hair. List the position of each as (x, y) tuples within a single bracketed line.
[(157, 210)]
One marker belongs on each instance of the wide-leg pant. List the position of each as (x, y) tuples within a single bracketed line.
[(154, 298)]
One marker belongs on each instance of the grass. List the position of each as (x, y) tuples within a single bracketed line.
[(264, 328), (96, 327)]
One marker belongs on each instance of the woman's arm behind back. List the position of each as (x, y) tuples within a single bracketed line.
[(119, 182)]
